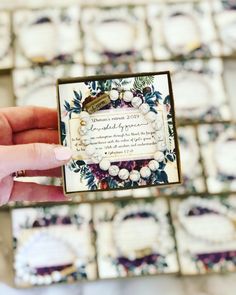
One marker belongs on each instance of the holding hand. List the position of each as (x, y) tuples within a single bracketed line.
[(29, 143)]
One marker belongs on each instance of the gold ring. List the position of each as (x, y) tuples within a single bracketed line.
[(20, 173)]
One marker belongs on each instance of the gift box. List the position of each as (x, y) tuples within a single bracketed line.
[(47, 36), (205, 234), (121, 129), (182, 30), (218, 142), (6, 50), (225, 17), (199, 90), (48, 245), (37, 86), (134, 238)]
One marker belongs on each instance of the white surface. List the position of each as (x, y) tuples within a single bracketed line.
[(162, 285)]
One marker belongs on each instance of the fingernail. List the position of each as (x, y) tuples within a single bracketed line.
[(62, 153)]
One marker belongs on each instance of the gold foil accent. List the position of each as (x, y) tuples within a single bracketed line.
[(78, 157), (69, 270), (143, 252), (98, 103), (39, 59)]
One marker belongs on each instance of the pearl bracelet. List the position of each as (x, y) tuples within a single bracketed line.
[(212, 205), (26, 274), (104, 163), (158, 217)]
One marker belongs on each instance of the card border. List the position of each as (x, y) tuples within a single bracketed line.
[(118, 76)]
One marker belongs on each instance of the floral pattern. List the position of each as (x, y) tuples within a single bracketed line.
[(198, 90), (179, 30), (143, 87), (48, 226), (160, 259), (198, 254)]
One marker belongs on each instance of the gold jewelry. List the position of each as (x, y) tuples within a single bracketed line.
[(20, 173)]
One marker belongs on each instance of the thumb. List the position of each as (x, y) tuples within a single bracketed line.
[(34, 156)]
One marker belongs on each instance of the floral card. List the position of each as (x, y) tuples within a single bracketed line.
[(199, 89), (134, 239), (182, 29), (121, 129), (6, 52), (47, 36), (205, 233), (218, 146), (53, 245)]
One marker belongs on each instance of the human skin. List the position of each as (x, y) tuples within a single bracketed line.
[(29, 141)]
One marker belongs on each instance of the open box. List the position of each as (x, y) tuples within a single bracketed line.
[(121, 129)]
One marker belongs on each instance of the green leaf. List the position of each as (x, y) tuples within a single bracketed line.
[(142, 82)]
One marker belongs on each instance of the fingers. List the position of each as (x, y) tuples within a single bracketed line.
[(33, 192), (23, 118), (33, 156), (56, 172), (6, 185), (36, 135)]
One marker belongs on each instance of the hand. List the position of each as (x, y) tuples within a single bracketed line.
[(29, 141)]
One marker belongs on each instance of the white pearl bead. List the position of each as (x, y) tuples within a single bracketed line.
[(151, 116), (153, 165), (96, 158), (157, 125), (114, 94), (136, 101), (134, 175), (128, 95), (40, 280), (86, 140), (26, 277), (161, 146), (88, 123), (56, 276), (104, 164), (47, 280), (159, 156), (159, 136), (113, 170), (90, 150), (144, 108), (33, 280), (123, 174), (84, 116), (83, 130), (145, 172)]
